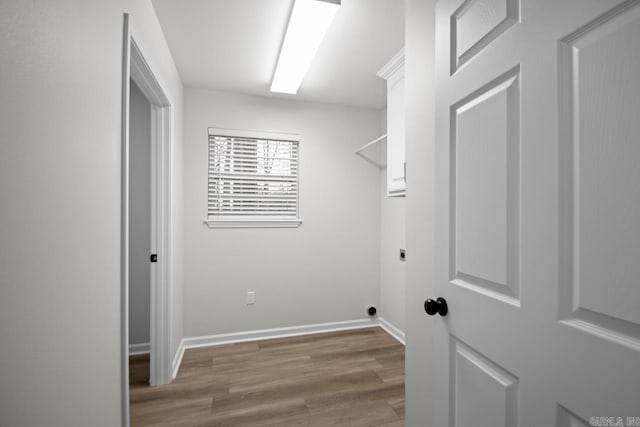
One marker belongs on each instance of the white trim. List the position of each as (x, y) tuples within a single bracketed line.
[(177, 360), (161, 118), (256, 134), (135, 349), (253, 223), (392, 66), (292, 331), (124, 224), (392, 330), (265, 334)]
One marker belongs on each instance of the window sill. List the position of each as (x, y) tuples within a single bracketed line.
[(253, 223)]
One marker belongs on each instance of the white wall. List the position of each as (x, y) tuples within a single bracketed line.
[(327, 269), (139, 216), (420, 121), (60, 121)]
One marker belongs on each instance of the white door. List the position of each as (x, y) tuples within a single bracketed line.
[(537, 213)]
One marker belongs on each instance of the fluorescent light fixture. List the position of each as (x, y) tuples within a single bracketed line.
[(309, 22)]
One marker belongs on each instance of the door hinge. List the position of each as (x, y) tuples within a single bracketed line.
[(153, 258)]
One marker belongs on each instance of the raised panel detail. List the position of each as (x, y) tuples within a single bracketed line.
[(476, 23), (568, 419), (485, 146), (483, 393), (396, 134), (600, 172)]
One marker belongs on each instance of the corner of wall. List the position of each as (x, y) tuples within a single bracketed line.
[(420, 136)]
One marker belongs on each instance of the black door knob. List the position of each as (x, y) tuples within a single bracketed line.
[(439, 305)]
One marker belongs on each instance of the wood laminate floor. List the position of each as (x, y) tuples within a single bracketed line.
[(348, 378)]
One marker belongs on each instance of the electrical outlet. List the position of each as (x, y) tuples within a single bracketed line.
[(251, 297)]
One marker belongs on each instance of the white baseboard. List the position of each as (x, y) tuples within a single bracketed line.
[(177, 360), (135, 349), (265, 334), (144, 348), (392, 330)]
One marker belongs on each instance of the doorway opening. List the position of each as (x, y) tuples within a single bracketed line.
[(138, 73), (139, 235)]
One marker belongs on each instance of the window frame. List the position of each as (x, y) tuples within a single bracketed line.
[(257, 222)]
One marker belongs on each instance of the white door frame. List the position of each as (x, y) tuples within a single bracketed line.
[(136, 68)]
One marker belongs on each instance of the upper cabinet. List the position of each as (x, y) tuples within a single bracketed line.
[(393, 73)]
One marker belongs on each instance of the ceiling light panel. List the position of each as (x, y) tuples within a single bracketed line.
[(309, 22)]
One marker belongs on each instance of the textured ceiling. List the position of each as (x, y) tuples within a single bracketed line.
[(233, 45)]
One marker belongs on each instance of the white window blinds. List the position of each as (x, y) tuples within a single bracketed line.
[(253, 177)]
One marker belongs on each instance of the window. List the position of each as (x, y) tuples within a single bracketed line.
[(253, 179)]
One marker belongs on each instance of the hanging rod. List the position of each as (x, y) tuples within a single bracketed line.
[(369, 144)]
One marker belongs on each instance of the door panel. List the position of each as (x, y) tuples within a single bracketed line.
[(537, 212), (475, 24), (483, 393), (600, 150), (567, 419), (484, 186)]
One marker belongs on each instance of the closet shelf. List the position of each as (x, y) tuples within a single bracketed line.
[(371, 144)]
